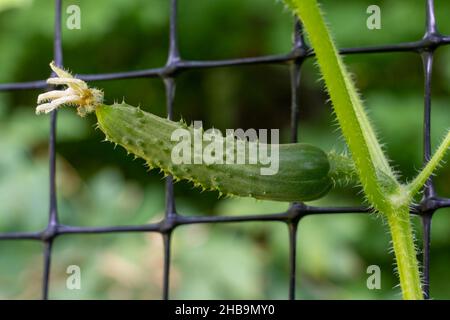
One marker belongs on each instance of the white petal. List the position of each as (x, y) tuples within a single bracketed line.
[(60, 72), (43, 108), (51, 95), (48, 107), (75, 84)]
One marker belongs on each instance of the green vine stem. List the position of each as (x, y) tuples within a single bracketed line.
[(415, 185), (379, 181), (405, 253)]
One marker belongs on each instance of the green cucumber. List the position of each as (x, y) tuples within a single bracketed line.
[(303, 173), (300, 172)]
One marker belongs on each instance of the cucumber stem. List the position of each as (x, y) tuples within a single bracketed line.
[(383, 191), (342, 170)]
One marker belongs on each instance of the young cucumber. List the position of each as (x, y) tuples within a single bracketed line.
[(303, 173)]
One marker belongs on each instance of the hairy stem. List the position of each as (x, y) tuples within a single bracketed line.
[(378, 180), (405, 254), (355, 126), (342, 170), (427, 171)]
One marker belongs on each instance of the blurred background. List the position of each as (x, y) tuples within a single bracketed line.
[(100, 186)]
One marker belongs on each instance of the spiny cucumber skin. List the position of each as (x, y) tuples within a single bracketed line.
[(303, 173)]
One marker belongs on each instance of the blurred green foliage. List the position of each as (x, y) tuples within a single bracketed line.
[(100, 186)]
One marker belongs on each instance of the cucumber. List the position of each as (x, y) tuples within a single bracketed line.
[(303, 174)]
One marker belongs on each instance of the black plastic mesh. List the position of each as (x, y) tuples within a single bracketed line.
[(430, 202)]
